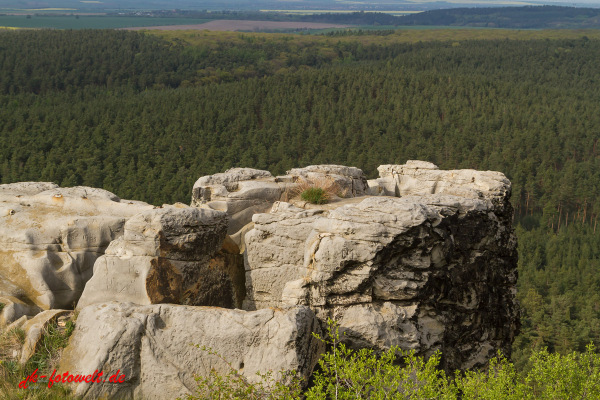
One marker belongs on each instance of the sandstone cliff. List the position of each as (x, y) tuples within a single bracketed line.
[(419, 257)]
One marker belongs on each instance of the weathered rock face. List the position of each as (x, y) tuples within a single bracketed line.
[(164, 257), (50, 238), (422, 178), (243, 192), (240, 192), (153, 346), (428, 272)]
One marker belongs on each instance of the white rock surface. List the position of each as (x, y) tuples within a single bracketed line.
[(240, 192), (422, 178), (155, 346), (50, 238)]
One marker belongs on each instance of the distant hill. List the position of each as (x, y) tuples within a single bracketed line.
[(529, 17)]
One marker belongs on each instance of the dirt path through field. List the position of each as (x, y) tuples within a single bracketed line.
[(242, 25)]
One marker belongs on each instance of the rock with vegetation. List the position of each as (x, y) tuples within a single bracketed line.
[(350, 181), (50, 238), (159, 348), (434, 269), (164, 256), (243, 192), (34, 330)]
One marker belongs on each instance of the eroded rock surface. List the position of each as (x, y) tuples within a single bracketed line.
[(154, 346), (427, 272), (422, 178), (50, 238), (164, 257)]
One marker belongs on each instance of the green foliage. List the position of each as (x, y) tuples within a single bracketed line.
[(45, 360), (347, 374), (284, 385), (395, 374), (314, 195), (554, 376), (500, 382)]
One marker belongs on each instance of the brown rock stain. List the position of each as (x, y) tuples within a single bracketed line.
[(163, 283)]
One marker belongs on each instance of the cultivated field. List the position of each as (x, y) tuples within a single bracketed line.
[(243, 25), (82, 21)]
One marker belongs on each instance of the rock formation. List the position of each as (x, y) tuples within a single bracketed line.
[(164, 257), (50, 238), (159, 347), (243, 192), (427, 272), (420, 258)]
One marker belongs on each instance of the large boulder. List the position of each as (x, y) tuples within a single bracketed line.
[(50, 238), (164, 256), (158, 348), (427, 272)]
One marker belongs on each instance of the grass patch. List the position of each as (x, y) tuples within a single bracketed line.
[(45, 360), (317, 190), (315, 195)]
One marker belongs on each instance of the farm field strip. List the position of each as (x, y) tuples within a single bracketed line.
[(90, 22), (243, 25), (310, 12)]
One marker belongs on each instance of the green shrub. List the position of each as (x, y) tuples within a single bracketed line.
[(315, 195), (235, 386), (347, 374)]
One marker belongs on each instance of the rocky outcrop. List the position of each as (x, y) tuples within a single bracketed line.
[(240, 192), (164, 257), (50, 238), (158, 348), (420, 258), (243, 192), (427, 272), (351, 181), (422, 178)]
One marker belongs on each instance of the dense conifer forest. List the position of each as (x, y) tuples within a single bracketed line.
[(144, 116)]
